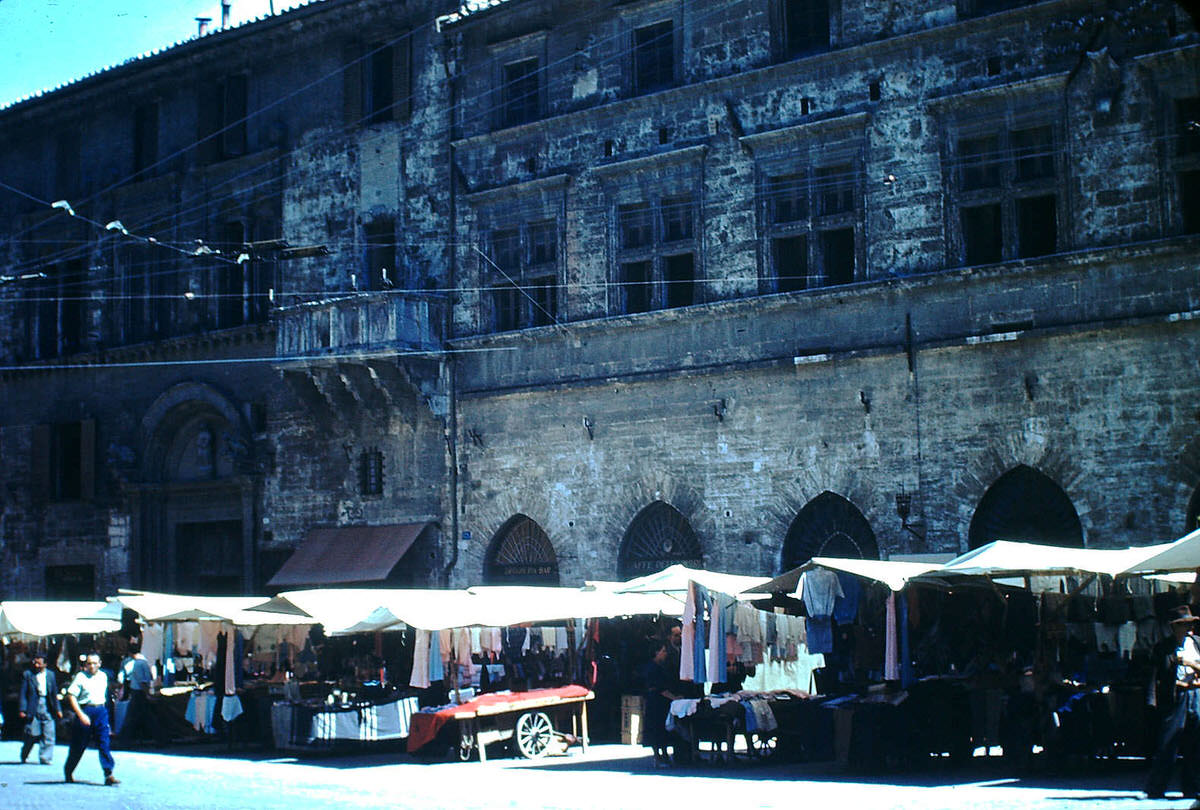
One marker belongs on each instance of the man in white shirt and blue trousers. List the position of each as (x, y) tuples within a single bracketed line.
[(87, 697)]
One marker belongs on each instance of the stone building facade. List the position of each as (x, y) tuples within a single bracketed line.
[(609, 285)]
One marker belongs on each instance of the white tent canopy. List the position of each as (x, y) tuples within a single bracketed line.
[(357, 610), (39, 619), (1182, 555), (170, 607), (674, 580), (1004, 558)]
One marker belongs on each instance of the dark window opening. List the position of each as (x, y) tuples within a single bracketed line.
[(519, 100), (677, 219), (982, 236), (506, 307), (837, 249), (231, 289), (380, 237), (381, 91), (653, 57), (66, 457), (72, 295), (1034, 152), (791, 263), (805, 26), (1037, 226), (544, 292), (873, 91), (1189, 200), (233, 116), (679, 276), (543, 243), (370, 472), (979, 162), (835, 189), (506, 251), (635, 280), (520, 554), (145, 136), (786, 199), (636, 224), (664, 135)]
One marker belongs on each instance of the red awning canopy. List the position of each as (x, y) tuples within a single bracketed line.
[(347, 555)]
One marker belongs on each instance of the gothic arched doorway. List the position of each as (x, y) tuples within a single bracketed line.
[(520, 554), (828, 526), (659, 536), (1026, 506)]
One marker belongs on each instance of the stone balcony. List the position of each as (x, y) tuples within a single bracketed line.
[(357, 324)]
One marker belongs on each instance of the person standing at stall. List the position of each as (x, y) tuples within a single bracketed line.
[(135, 676), (87, 697), (38, 706), (658, 697), (1179, 698)]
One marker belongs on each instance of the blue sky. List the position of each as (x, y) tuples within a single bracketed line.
[(45, 43)]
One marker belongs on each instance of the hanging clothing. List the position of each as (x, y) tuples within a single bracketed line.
[(436, 671), (820, 592), (420, 667), (687, 658), (231, 663), (701, 673), (716, 639), (820, 634), (845, 607)]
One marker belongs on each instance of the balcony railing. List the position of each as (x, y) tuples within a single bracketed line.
[(362, 322)]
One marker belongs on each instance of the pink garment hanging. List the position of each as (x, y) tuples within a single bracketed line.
[(891, 651), (420, 668), (687, 661), (230, 662)]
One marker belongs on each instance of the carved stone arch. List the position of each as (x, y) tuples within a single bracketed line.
[(828, 526), (659, 536), (178, 410), (1027, 506), (633, 498), (520, 553)]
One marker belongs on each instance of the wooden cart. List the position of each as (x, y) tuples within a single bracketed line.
[(528, 720)]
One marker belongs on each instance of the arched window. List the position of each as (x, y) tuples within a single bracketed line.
[(658, 537), (1026, 506), (520, 554), (828, 526)]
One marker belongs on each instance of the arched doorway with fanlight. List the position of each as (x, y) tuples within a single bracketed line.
[(659, 536), (828, 526), (1026, 506), (520, 554)]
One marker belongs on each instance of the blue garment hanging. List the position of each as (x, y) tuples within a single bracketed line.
[(436, 671), (907, 676), (168, 654), (700, 675)]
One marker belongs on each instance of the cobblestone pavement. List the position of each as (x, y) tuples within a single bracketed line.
[(609, 776)]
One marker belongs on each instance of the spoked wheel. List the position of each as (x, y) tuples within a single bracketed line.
[(765, 745), (534, 733)]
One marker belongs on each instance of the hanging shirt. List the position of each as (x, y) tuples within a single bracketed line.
[(420, 666), (891, 652), (687, 658), (821, 589)]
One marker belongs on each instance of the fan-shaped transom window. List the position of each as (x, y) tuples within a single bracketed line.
[(828, 526), (521, 554), (1026, 506), (658, 537)]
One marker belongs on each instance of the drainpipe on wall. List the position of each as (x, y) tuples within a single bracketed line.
[(452, 361)]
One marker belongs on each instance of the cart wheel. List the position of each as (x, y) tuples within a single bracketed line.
[(465, 748), (534, 733), (765, 744)]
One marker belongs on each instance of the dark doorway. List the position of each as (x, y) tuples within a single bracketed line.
[(208, 558), (1025, 506)]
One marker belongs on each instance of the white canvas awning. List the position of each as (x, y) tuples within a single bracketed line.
[(674, 580), (1005, 558), (170, 607), (1182, 555), (895, 574), (39, 619)]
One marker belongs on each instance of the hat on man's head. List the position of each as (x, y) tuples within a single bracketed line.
[(1183, 614)]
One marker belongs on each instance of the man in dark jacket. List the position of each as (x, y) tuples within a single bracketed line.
[(38, 706)]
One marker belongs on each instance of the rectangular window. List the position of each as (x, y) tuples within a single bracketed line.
[(233, 116), (653, 57), (1007, 195), (66, 453), (1187, 162), (72, 293), (145, 136), (790, 254), (380, 270), (71, 582), (523, 268), (380, 84), (231, 292), (370, 472), (636, 223), (677, 219), (679, 277), (519, 97), (811, 221), (635, 281), (805, 26)]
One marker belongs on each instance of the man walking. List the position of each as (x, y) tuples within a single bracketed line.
[(1179, 696), (86, 697), (38, 706)]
